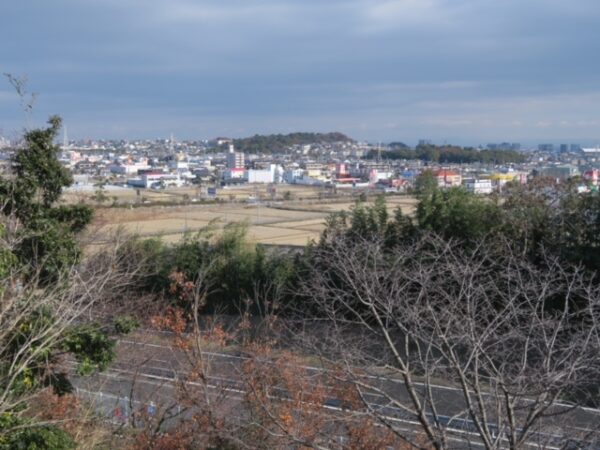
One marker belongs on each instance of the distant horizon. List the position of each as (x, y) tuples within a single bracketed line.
[(73, 135), (463, 142), (411, 143)]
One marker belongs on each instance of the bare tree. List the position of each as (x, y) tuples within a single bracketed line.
[(425, 346), (478, 346), (27, 99), (261, 397)]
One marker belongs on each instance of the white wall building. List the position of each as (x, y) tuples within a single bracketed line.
[(375, 175), (156, 180), (271, 175), (478, 186), (308, 181), (129, 168)]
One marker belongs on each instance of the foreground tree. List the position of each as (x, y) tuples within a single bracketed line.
[(261, 397), (46, 335), (516, 348), (47, 293)]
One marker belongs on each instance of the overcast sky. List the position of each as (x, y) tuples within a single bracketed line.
[(465, 71)]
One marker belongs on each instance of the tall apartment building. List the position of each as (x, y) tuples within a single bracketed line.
[(235, 160)]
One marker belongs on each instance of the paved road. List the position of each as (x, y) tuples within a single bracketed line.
[(146, 374)]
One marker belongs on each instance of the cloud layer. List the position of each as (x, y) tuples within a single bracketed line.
[(463, 70)]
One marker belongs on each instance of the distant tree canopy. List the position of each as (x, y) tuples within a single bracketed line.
[(538, 224), (536, 218), (368, 222), (450, 154), (425, 183), (277, 143), (398, 146)]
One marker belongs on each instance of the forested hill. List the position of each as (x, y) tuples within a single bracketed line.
[(276, 143), (451, 154)]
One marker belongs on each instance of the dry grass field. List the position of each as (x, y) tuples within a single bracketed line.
[(127, 195), (292, 223)]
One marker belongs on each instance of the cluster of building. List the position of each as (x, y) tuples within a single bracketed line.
[(339, 165), (230, 168)]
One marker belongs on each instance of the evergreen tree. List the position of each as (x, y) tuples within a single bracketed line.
[(40, 302), (30, 194)]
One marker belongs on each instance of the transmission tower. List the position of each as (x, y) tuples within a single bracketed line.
[(65, 138), (172, 144)]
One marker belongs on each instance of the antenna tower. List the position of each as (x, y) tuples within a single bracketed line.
[(65, 138)]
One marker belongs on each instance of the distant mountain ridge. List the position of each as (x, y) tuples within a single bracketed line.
[(277, 143)]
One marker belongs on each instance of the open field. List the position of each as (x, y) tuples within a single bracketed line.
[(128, 195), (292, 223)]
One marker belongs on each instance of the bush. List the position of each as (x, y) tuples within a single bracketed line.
[(126, 324), (17, 434), (233, 269), (92, 347)]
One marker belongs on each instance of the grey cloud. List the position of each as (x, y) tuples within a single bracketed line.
[(386, 67)]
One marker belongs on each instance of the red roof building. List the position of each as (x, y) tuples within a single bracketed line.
[(447, 178)]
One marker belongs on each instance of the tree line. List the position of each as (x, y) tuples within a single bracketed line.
[(537, 219), (450, 154), (279, 143)]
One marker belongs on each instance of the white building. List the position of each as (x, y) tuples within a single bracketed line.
[(308, 181), (234, 174), (156, 180), (179, 165), (271, 175), (376, 175), (129, 168), (591, 150), (291, 175), (478, 186), (201, 161)]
